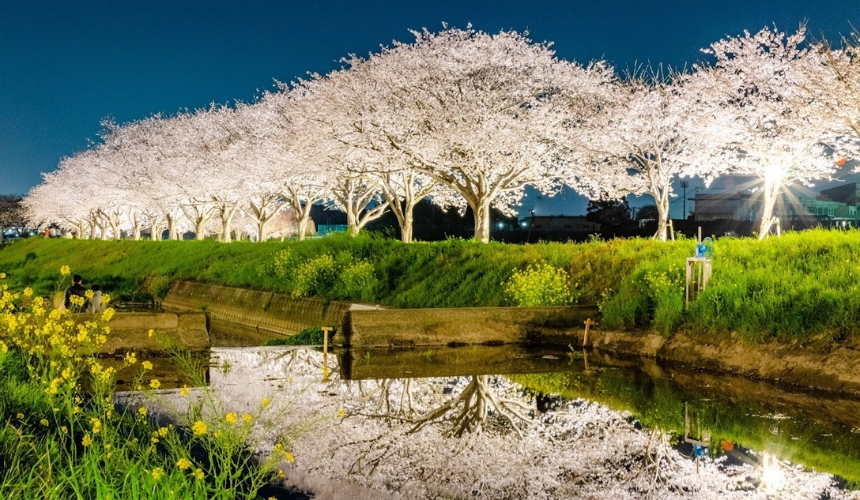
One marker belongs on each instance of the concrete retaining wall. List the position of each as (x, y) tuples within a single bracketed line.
[(261, 311), (472, 325), (129, 332)]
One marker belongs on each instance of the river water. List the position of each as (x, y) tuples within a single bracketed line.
[(511, 422)]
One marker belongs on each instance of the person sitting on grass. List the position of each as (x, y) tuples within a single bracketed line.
[(77, 289)]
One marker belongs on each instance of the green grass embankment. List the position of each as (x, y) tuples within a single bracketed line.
[(799, 287)]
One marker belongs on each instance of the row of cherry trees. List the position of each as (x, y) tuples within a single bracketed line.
[(467, 119)]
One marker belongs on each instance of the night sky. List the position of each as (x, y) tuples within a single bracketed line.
[(65, 65)]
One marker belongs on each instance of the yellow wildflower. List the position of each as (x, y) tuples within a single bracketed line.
[(150, 333), (290, 458), (231, 418), (246, 418), (44, 422), (142, 411), (87, 440), (20, 416), (64, 270), (183, 464), (97, 425), (89, 294), (154, 383), (199, 474), (2, 276), (28, 292), (341, 413), (265, 402), (200, 428), (131, 358), (146, 365), (162, 431), (184, 391), (64, 429), (157, 473)]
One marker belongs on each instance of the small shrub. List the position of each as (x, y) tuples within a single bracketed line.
[(539, 285), (358, 281), (159, 286), (314, 277)]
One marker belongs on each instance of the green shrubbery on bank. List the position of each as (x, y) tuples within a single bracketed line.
[(800, 286)]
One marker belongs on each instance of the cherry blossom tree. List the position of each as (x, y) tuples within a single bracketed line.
[(645, 137), (773, 136), (470, 110)]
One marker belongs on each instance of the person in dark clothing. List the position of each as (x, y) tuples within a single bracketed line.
[(76, 289)]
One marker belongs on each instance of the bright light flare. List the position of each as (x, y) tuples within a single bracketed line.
[(772, 476)]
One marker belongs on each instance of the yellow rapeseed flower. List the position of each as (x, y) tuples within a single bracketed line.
[(157, 473), (89, 294), (131, 358), (44, 422), (150, 333), (200, 428), (2, 276), (290, 458), (183, 391), (142, 411), (146, 365), (154, 383), (247, 418), (28, 292), (231, 417), (97, 425), (183, 464), (199, 474), (64, 270), (87, 440), (341, 413), (20, 416), (265, 402)]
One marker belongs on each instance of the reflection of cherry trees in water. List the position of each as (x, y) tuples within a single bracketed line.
[(479, 437), (474, 408)]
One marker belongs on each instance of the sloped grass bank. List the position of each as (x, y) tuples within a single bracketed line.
[(799, 287)]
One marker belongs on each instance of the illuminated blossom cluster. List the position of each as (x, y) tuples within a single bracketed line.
[(466, 119)]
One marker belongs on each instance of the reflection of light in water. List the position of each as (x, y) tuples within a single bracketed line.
[(772, 475)]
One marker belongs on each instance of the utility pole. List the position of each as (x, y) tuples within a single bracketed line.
[(684, 185), (531, 223)]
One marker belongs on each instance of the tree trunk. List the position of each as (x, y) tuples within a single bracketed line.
[(406, 226), (200, 228), (352, 222), (226, 222), (155, 231), (772, 188), (171, 228), (481, 211), (303, 225), (261, 229), (662, 202), (82, 230)]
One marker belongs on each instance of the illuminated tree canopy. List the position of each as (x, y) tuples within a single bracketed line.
[(466, 119)]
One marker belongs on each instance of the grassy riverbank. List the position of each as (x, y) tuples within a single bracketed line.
[(799, 287)]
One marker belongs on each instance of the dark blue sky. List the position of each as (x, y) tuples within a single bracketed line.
[(64, 65)]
